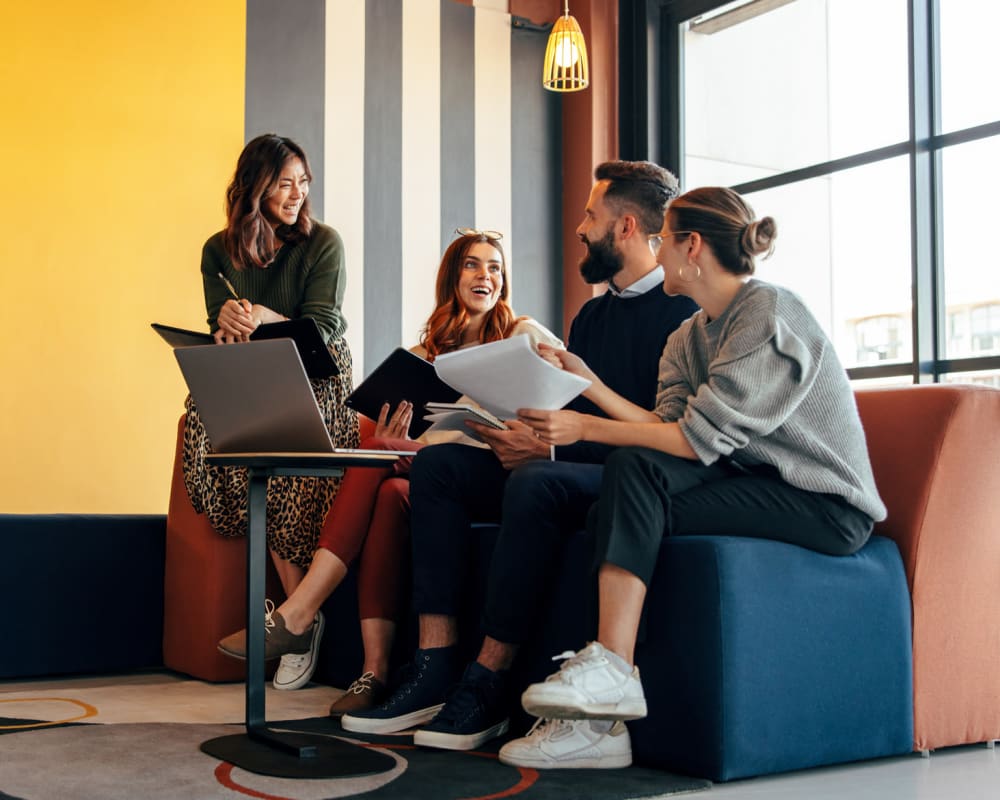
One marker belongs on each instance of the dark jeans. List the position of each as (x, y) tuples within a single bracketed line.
[(539, 505), (646, 495)]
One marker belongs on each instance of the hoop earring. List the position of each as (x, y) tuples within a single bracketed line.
[(680, 273)]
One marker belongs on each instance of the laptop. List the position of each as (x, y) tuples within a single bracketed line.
[(303, 331), (255, 397)]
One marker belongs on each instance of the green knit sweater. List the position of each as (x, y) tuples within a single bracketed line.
[(304, 280)]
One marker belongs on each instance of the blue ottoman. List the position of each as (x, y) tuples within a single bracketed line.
[(763, 657)]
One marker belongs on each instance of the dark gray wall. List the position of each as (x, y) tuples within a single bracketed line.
[(285, 91)]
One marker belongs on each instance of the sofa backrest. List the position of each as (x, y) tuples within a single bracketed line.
[(935, 452)]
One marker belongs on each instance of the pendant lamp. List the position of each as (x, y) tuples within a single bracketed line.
[(566, 68)]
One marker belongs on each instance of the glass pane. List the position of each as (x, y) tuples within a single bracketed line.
[(881, 383), (970, 61), (971, 268), (987, 378), (844, 247), (805, 83)]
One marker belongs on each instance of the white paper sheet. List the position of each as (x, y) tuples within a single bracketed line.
[(507, 375)]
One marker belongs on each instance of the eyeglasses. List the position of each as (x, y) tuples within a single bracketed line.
[(657, 239), (496, 236)]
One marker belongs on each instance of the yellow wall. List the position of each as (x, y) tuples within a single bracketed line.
[(121, 125)]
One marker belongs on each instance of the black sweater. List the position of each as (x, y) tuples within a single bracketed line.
[(621, 341)]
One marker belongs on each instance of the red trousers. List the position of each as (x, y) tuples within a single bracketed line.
[(370, 516)]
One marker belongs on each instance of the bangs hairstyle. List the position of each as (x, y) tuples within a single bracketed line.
[(249, 239), (726, 222), (640, 188), (450, 319)]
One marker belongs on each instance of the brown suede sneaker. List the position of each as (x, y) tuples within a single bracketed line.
[(366, 692), (278, 640)]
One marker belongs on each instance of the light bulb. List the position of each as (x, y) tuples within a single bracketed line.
[(567, 53)]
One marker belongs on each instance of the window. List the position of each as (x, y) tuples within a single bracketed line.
[(874, 164)]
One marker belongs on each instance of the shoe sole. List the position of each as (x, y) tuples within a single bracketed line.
[(389, 724), (306, 676), (605, 762), (561, 709), (458, 741), (232, 654)]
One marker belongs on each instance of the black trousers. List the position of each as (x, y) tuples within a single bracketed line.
[(647, 494), (538, 504)]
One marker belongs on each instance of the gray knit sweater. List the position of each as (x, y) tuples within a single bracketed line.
[(762, 384)]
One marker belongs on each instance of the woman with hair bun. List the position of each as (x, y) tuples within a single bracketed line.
[(755, 433)]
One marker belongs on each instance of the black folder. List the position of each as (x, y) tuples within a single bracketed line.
[(401, 376), (303, 331)]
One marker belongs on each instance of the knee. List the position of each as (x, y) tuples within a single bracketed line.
[(434, 466), (625, 463), (394, 493), (532, 484)]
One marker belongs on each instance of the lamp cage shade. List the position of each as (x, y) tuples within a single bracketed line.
[(566, 68)]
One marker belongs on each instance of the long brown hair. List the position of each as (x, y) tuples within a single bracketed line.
[(249, 238), (449, 321)]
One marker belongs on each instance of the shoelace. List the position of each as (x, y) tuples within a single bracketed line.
[(574, 661), (544, 728), (405, 678), (362, 684), (268, 615), (463, 699)]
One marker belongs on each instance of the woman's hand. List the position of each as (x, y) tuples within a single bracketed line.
[(396, 426), (262, 315), (565, 360), (235, 322), (555, 427)]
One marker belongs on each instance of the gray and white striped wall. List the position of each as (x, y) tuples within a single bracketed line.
[(419, 116)]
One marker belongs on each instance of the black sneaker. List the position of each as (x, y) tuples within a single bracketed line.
[(475, 712), (418, 696)]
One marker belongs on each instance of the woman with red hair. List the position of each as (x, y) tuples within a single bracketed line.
[(370, 516)]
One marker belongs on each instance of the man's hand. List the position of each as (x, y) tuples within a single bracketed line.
[(513, 447)]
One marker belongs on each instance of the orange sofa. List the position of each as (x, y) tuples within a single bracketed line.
[(204, 585), (935, 451)]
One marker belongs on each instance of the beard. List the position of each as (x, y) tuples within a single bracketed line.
[(602, 261)]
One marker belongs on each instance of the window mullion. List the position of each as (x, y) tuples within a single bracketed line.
[(924, 188)]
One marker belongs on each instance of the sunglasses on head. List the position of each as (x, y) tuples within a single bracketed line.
[(496, 236)]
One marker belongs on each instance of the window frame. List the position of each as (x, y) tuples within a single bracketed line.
[(651, 125)]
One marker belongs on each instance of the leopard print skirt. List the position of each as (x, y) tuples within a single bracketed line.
[(296, 506)]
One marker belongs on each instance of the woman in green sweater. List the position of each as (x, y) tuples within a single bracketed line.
[(273, 262)]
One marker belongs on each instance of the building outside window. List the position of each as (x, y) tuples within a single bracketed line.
[(879, 168)]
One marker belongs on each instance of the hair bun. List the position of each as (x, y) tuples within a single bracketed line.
[(758, 236)]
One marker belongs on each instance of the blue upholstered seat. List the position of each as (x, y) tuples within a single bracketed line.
[(763, 657)]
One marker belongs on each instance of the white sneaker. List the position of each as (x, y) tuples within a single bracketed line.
[(296, 669), (570, 744), (587, 686)]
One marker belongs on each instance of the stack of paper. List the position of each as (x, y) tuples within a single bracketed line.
[(502, 377)]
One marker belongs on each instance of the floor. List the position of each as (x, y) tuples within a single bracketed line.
[(960, 773)]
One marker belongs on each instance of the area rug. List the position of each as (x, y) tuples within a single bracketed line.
[(162, 761)]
